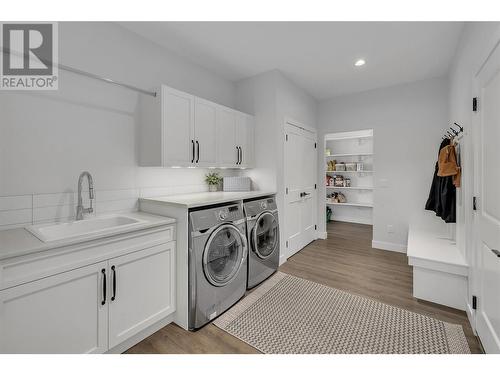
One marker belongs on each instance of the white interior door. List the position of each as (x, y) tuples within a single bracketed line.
[(300, 193), (488, 215)]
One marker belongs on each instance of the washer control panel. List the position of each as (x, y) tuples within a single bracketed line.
[(230, 213)]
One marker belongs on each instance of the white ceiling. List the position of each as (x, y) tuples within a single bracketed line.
[(317, 56)]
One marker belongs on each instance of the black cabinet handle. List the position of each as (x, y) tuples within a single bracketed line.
[(114, 283), (496, 252), (103, 271), (237, 155), (198, 151), (192, 143), (241, 155)]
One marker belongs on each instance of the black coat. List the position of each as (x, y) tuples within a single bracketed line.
[(442, 196)]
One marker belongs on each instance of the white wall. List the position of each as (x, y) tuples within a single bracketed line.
[(272, 99), (408, 122), (48, 138)]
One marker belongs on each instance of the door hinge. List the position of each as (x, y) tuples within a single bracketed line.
[(315, 145), (474, 104), (315, 227), (315, 186), (286, 243), (474, 302), (474, 203), (286, 190), (286, 137)]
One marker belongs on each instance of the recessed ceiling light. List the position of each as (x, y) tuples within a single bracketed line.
[(360, 62)]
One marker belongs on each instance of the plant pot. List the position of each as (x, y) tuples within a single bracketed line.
[(212, 188)]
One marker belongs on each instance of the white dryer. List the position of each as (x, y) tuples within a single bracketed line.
[(263, 239)]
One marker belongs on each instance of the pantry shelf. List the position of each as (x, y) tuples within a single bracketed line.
[(340, 172), (350, 150), (351, 187), (347, 155), (368, 205)]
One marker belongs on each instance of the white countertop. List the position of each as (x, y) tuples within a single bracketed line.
[(207, 198), (18, 242)]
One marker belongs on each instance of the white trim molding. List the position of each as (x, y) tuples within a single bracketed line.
[(400, 248), (321, 235)]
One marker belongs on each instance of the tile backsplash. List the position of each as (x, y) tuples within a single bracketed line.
[(22, 210)]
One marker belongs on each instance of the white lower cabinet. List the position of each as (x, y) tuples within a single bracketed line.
[(141, 291), (57, 314), (90, 309)]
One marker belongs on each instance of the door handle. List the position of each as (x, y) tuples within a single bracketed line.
[(192, 143), (496, 252), (304, 194), (114, 283), (198, 151), (103, 271)]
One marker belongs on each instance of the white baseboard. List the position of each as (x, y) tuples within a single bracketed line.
[(400, 248), (283, 259), (352, 219), (322, 235)]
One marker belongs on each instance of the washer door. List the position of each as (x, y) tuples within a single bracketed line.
[(224, 254), (265, 235)]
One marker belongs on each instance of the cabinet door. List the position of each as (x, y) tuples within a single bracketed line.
[(144, 292), (178, 128), (205, 128), (58, 314), (245, 139), (227, 152)]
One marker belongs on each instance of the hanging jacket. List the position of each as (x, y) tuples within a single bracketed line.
[(442, 195), (448, 164)]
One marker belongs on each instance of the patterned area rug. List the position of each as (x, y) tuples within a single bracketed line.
[(287, 314)]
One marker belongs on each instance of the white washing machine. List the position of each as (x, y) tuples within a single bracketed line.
[(218, 256), (263, 239)]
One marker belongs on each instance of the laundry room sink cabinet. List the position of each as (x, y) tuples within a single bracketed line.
[(91, 297), (177, 129)]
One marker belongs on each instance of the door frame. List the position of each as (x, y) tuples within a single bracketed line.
[(284, 255), (472, 138), (473, 237)]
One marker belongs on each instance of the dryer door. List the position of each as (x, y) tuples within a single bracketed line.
[(224, 253), (265, 235)]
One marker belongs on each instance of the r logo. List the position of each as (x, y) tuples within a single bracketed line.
[(31, 49)]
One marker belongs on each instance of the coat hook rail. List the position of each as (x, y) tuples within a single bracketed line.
[(89, 75), (453, 132)]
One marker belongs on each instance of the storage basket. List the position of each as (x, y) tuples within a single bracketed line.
[(350, 166), (340, 167), (237, 183)]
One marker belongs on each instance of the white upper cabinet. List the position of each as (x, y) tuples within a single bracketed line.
[(177, 129), (245, 140), (205, 125), (227, 152)]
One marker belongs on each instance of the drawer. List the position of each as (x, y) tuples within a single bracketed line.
[(20, 270)]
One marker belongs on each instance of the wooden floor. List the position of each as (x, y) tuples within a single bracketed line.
[(345, 261)]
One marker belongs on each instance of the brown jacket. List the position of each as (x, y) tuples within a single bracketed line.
[(447, 164)]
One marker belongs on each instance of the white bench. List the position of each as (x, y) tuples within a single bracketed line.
[(439, 270)]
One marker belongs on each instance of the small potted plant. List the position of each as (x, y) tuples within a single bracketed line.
[(213, 180)]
